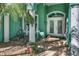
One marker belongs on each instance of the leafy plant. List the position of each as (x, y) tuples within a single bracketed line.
[(15, 9)]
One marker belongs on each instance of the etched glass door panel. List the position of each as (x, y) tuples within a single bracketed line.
[(51, 26), (60, 27)]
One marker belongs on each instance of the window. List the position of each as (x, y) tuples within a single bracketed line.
[(56, 15)]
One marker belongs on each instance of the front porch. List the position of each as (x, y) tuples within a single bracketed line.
[(44, 35), (50, 47)]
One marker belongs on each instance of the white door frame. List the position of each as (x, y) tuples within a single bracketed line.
[(32, 28), (48, 21), (25, 27), (37, 29)]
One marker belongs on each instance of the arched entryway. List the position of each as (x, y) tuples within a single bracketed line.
[(56, 23)]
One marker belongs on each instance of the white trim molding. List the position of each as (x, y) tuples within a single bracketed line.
[(32, 29), (56, 12), (37, 29)]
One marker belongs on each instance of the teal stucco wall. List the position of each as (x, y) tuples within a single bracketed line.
[(1, 29), (15, 25), (42, 11), (59, 7), (69, 27)]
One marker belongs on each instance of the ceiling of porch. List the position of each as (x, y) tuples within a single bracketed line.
[(48, 4)]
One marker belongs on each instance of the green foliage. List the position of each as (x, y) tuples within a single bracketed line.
[(16, 9), (2, 6), (35, 49)]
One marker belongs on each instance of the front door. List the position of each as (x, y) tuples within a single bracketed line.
[(56, 25)]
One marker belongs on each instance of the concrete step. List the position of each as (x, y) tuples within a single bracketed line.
[(52, 39)]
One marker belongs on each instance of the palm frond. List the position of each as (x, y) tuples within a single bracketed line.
[(14, 9)]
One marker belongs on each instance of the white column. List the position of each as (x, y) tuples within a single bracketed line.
[(75, 38), (31, 32), (74, 22), (6, 28), (32, 28)]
